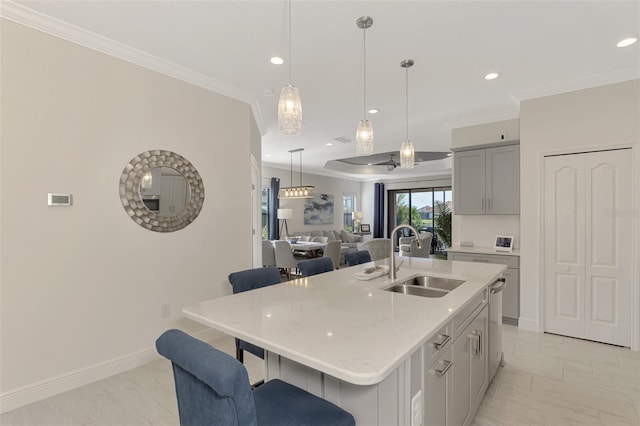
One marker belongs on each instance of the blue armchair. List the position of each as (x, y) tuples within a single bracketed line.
[(212, 388), (315, 266), (248, 280), (358, 257)]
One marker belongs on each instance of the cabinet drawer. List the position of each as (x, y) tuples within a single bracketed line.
[(510, 261), (437, 344), (468, 313)]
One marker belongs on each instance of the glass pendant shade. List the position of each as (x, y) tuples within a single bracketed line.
[(147, 181), (364, 138), (290, 111), (407, 155)]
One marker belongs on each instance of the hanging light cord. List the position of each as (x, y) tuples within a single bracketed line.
[(407, 100), (364, 72), (289, 16), (300, 168)]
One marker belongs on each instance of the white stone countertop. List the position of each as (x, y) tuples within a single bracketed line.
[(483, 250), (347, 328)]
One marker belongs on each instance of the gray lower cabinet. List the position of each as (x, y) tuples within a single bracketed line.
[(437, 389), (456, 373), (470, 370), (511, 293)]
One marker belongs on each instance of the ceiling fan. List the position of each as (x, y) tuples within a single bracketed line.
[(391, 164)]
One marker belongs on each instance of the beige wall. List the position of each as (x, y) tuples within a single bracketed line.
[(82, 286), (323, 185), (585, 120)]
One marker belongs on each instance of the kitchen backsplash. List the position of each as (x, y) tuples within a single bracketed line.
[(482, 229)]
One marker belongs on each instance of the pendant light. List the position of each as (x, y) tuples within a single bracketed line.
[(302, 191), (364, 133), (290, 105), (407, 153), (147, 181)]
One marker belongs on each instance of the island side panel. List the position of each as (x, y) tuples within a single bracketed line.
[(387, 402)]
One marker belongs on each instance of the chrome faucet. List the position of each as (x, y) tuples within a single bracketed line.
[(392, 258)]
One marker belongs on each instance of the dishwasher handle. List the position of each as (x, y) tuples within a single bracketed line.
[(498, 286)]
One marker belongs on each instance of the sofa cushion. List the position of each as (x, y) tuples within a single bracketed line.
[(344, 236)]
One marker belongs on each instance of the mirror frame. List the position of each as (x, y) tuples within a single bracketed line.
[(132, 201)]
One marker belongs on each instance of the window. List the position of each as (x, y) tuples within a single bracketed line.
[(415, 207), (265, 213), (349, 206)]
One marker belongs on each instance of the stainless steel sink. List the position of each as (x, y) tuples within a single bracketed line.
[(417, 291), (447, 284), (426, 286)]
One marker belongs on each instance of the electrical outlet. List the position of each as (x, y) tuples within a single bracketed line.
[(416, 409), (165, 311)]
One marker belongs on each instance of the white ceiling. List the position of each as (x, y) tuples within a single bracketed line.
[(538, 47)]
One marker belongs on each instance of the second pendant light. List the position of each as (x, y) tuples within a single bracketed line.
[(407, 153)]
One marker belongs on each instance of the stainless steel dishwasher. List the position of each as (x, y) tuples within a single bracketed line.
[(496, 356)]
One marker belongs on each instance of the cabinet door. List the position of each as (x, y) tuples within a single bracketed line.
[(458, 408), (511, 295), (502, 180), (468, 183), (437, 384), (478, 360)]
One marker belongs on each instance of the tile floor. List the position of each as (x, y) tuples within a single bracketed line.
[(548, 380)]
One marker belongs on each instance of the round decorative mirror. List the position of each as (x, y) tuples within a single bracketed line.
[(161, 191)]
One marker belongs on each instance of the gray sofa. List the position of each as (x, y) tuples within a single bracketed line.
[(349, 241)]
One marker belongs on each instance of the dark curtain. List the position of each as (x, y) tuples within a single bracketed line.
[(274, 204), (378, 210)]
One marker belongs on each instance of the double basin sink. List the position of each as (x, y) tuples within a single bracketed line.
[(425, 286)]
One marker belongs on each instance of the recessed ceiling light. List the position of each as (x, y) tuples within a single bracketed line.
[(277, 60), (491, 76), (373, 111), (370, 164), (627, 42), (269, 92), (329, 144), (449, 154), (267, 155)]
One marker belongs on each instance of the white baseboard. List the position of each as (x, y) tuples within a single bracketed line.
[(529, 325), (28, 394)]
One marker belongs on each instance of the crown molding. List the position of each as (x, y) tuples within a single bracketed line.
[(483, 118), (38, 21), (587, 82)]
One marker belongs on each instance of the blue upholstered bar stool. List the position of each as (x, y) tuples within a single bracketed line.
[(248, 280), (357, 257), (315, 266), (212, 388)]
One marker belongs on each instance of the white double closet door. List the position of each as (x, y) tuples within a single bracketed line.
[(588, 246)]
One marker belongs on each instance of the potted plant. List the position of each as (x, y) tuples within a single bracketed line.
[(442, 224)]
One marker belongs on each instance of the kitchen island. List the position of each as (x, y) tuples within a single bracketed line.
[(359, 346)]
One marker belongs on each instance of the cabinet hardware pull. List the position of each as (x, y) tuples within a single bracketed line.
[(446, 368), (445, 340), (475, 343)]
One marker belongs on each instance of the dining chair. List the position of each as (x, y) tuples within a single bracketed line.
[(268, 253), (248, 280), (285, 258), (212, 388), (378, 248), (409, 246), (332, 250), (318, 265), (357, 257)]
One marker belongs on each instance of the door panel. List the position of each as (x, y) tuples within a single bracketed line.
[(564, 245), (609, 263), (588, 246)]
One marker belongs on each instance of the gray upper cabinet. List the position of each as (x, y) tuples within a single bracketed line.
[(487, 180)]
